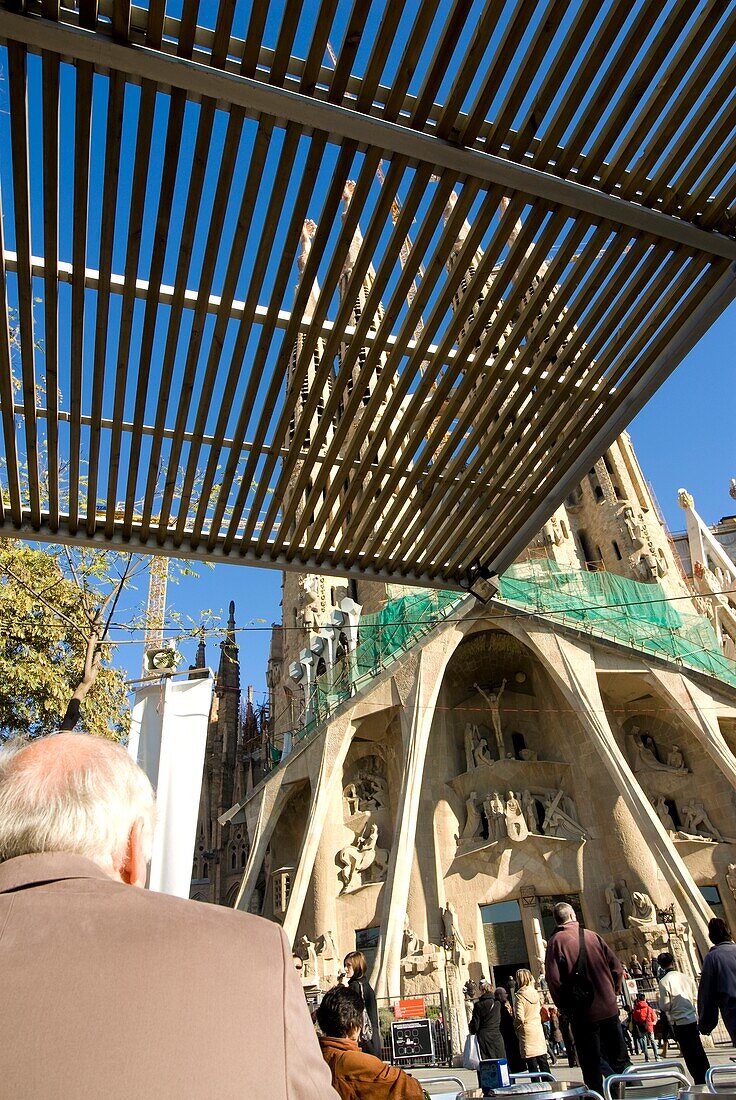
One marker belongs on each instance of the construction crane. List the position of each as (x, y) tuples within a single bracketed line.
[(158, 577)]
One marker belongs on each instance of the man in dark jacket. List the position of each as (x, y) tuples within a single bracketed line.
[(717, 988), (595, 1025)]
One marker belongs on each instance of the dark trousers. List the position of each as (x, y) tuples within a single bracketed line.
[(593, 1040), (540, 1064), (691, 1048)]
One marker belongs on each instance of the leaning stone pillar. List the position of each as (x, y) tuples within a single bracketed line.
[(261, 815), (416, 697), (694, 708), (337, 737), (572, 665)]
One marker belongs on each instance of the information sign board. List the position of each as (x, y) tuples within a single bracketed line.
[(412, 1040)]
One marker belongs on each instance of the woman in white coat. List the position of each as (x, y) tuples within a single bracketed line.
[(528, 1023)]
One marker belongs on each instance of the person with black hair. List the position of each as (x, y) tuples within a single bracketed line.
[(677, 996), (356, 1075), (718, 981)]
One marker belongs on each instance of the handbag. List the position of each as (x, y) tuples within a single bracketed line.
[(471, 1053), (366, 1028), (580, 992)]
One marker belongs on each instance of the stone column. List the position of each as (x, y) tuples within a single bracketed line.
[(336, 742), (417, 686), (572, 665), (694, 707), (262, 812)]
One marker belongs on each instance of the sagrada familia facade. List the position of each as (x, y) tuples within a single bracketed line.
[(510, 757)]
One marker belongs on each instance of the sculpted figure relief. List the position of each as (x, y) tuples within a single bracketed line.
[(494, 699), (481, 755), (696, 821), (516, 827), (356, 858), (308, 952), (454, 937), (615, 908), (644, 912), (731, 878), (472, 821), (663, 813), (495, 812), (646, 754)]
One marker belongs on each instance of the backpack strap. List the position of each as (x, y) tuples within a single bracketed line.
[(581, 964)]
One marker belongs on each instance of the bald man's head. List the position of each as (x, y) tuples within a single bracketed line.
[(76, 793)]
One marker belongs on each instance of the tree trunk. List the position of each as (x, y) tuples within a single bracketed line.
[(91, 668)]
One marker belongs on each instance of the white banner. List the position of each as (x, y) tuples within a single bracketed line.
[(168, 736)]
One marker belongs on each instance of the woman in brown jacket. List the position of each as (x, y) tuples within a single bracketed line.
[(528, 1023), (355, 1075)]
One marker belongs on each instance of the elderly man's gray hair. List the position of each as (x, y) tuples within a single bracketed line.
[(563, 912), (72, 793)]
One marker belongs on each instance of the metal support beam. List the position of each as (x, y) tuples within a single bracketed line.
[(340, 123)]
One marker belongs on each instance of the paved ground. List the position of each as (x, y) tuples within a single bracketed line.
[(722, 1055)]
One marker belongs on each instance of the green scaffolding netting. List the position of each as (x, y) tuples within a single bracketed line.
[(629, 612), (383, 636)]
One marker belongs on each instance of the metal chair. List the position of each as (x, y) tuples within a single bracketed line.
[(728, 1072), (644, 1085)]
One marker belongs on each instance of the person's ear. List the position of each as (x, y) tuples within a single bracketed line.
[(135, 868)]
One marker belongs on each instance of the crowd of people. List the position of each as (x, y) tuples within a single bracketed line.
[(136, 993)]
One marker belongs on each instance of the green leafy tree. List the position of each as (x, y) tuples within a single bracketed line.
[(56, 609)]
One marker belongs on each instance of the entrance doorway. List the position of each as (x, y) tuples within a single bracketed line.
[(505, 940)]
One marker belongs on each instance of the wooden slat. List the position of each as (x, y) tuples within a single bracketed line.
[(671, 122), (341, 396), (121, 20), (12, 469), (676, 312), (18, 84), (603, 312), (483, 334), (113, 137), (663, 93), (432, 273), (135, 233), (415, 421), (50, 94), (82, 133), (374, 230)]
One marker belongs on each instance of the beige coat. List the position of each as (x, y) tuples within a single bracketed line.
[(119, 992), (528, 1022)]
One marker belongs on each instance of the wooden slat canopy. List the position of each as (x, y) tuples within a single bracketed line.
[(172, 380)]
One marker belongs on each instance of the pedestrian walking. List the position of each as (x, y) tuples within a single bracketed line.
[(486, 1023), (584, 978), (508, 1032), (558, 1045), (677, 996), (528, 1023), (717, 988), (643, 1019)]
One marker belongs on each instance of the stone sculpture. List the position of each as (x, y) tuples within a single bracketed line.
[(481, 755), (646, 755), (645, 913), (494, 699), (472, 821), (412, 945), (350, 794), (557, 822), (453, 937), (495, 812), (373, 793), (529, 808), (326, 946), (358, 857), (308, 952), (731, 879), (676, 760), (615, 908), (516, 826), (663, 813), (696, 822), (470, 739)]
